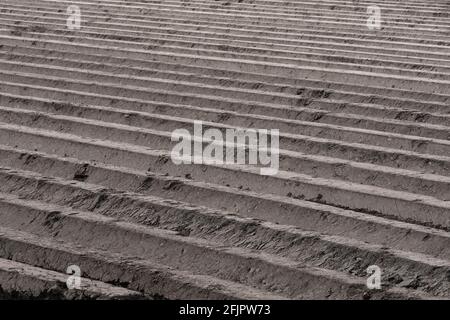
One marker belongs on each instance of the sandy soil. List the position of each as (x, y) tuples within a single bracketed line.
[(86, 177)]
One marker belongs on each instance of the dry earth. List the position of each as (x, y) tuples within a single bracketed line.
[(85, 171)]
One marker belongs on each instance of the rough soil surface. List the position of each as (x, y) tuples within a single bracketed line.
[(86, 177)]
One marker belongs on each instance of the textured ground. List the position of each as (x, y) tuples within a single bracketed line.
[(85, 171)]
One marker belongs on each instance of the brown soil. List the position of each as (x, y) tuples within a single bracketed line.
[(86, 178)]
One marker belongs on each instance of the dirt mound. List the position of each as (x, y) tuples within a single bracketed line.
[(89, 192)]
